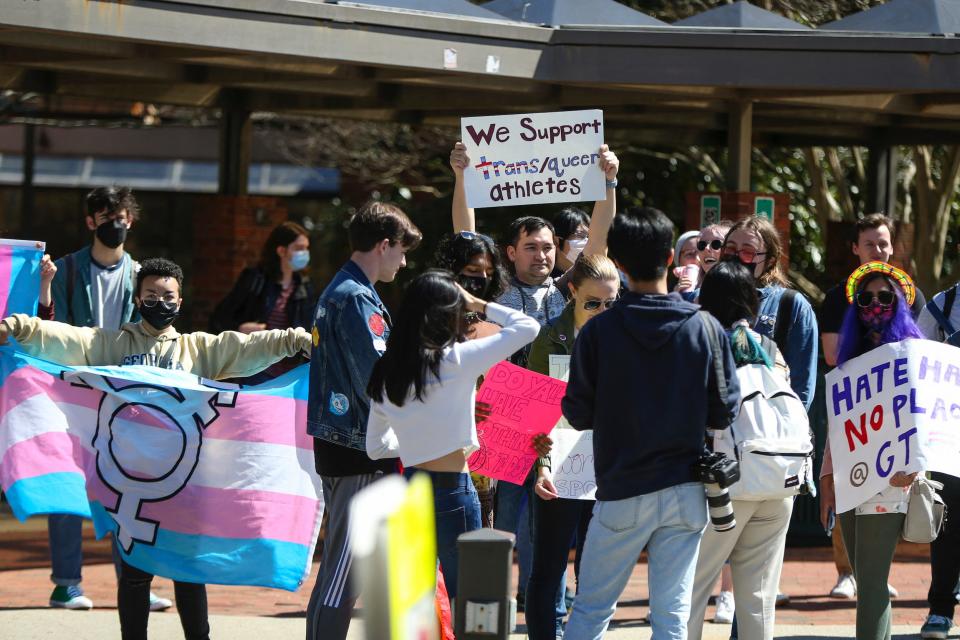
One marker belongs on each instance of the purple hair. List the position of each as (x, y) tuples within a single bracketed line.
[(852, 337)]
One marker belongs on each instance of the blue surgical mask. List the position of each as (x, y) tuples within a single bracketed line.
[(299, 260)]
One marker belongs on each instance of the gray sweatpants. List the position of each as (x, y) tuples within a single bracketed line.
[(334, 594)]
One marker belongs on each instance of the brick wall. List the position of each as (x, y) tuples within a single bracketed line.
[(740, 204), (841, 261), (228, 234)]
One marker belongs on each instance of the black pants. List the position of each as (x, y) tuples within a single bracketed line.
[(945, 552), (556, 522), (133, 603)]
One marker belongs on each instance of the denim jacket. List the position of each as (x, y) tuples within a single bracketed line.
[(350, 330), (802, 343)]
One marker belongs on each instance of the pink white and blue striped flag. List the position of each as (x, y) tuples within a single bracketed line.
[(198, 481), (19, 276)]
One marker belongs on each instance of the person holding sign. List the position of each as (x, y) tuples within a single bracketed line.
[(532, 251), (755, 546), (594, 287), (422, 396), (880, 296), (651, 350)]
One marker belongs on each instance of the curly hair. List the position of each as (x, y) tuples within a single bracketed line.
[(455, 250)]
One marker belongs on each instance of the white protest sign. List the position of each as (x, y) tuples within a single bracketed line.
[(559, 366), (895, 408), (572, 458), (533, 158)]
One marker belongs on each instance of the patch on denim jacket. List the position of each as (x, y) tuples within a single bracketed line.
[(339, 405), (377, 326)]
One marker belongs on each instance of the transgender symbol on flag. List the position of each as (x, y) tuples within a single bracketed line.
[(123, 425)]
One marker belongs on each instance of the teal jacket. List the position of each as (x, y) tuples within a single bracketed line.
[(71, 290)]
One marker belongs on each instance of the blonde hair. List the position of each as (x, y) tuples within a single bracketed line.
[(772, 272), (594, 267)]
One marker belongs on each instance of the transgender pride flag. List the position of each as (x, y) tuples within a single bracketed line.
[(19, 276), (199, 481)]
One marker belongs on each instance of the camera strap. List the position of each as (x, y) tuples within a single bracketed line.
[(716, 353)]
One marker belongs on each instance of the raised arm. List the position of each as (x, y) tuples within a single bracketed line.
[(464, 218), (603, 210), (519, 330)]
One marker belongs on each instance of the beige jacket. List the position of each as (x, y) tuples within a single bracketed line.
[(228, 355)]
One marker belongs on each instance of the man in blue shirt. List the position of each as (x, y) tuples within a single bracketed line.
[(350, 331)]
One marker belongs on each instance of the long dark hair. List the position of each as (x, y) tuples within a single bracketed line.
[(283, 235), (853, 342), (729, 294), (455, 251), (431, 318)]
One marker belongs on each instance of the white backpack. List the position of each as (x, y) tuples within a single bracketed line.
[(770, 437)]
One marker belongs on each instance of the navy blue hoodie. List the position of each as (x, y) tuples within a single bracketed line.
[(642, 377)]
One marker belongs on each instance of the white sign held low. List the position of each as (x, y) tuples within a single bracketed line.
[(572, 458), (534, 158)]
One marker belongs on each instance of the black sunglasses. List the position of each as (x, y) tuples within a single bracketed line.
[(716, 245), (593, 305), (885, 298)]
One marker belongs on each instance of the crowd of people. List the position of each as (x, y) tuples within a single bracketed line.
[(654, 324)]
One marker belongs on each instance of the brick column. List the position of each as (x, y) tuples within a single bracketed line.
[(228, 234), (740, 204)]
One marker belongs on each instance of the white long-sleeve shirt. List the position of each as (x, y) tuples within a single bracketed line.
[(444, 422)]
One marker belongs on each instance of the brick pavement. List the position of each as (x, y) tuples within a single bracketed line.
[(807, 577)]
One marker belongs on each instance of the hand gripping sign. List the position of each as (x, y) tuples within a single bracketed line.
[(147, 443), (895, 408)]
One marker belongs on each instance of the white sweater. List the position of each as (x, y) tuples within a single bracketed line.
[(443, 422)]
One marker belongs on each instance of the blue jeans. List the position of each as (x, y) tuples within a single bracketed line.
[(66, 548), (669, 523), (457, 509)]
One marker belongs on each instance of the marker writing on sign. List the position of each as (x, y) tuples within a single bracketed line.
[(531, 133)]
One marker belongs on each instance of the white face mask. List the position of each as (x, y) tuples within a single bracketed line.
[(577, 245)]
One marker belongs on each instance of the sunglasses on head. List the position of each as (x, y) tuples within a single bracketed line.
[(885, 298), (716, 245), (472, 235), (593, 305)]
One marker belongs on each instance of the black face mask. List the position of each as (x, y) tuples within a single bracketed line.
[(161, 315), (475, 285), (112, 233)]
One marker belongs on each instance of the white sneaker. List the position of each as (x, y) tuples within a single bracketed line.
[(159, 604), (893, 592), (845, 588), (725, 608)]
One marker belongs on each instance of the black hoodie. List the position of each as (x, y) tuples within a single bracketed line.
[(642, 377)]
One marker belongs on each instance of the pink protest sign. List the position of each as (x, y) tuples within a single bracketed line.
[(522, 403)]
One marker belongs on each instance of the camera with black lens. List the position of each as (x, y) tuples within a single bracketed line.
[(717, 472)]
